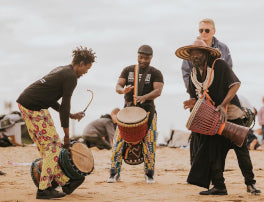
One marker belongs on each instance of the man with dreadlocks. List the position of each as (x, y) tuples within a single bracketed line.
[(34, 103)]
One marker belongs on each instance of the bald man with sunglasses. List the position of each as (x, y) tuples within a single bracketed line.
[(206, 33)]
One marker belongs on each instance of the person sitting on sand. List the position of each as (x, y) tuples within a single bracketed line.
[(100, 132)]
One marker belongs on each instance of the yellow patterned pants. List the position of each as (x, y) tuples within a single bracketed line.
[(42, 131)]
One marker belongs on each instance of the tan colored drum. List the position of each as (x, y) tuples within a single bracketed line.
[(82, 157), (77, 161)]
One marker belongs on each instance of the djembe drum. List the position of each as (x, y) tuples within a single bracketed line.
[(132, 123), (35, 170), (76, 162), (204, 119)]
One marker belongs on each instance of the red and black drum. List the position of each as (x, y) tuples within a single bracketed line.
[(132, 123), (204, 119)]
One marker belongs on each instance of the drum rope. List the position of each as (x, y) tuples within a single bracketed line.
[(132, 125)]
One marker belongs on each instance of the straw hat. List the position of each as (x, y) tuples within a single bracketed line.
[(184, 52)]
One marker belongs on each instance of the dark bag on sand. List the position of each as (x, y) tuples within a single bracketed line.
[(4, 141), (250, 117)]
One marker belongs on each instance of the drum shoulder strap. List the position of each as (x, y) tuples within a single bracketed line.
[(142, 81), (205, 94)]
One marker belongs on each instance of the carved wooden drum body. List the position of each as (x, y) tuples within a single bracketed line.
[(205, 120), (76, 162), (132, 123)]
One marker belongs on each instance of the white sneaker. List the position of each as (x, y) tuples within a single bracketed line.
[(114, 178), (149, 180)]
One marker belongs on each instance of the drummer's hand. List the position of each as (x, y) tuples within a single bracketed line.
[(223, 115), (78, 116), (128, 88), (189, 103), (67, 142), (140, 99)]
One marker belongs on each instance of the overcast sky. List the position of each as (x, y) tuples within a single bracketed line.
[(37, 36)]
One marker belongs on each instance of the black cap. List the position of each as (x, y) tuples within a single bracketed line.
[(145, 49)]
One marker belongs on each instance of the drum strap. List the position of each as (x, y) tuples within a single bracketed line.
[(138, 90), (205, 91), (138, 86)]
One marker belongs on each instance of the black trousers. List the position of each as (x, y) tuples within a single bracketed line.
[(208, 155), (243, 158), (245, 163), (242, 154)]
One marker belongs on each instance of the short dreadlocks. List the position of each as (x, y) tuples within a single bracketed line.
[(82, 54)]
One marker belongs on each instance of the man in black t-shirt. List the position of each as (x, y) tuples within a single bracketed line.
[(34, 103), (152, 88), (209, 152)]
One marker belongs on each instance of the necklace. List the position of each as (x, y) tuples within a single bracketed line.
[(201, 86)]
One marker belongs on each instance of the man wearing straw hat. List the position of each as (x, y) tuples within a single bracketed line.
[(215, 79), (34, 102), (150, 80), (206, 33)]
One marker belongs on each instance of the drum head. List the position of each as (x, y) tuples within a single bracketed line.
[(193, 113), (131, 115), (82, 157)]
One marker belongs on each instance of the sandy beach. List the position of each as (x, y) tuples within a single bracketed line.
[(172, 167), (37, 36)]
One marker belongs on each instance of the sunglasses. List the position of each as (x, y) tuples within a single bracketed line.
[(206, 30)]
